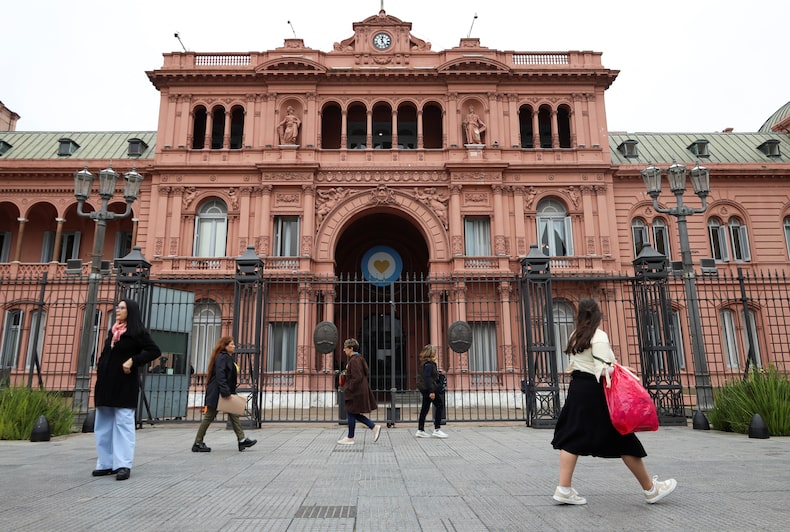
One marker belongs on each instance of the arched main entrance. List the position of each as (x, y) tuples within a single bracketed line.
[(391, 320)]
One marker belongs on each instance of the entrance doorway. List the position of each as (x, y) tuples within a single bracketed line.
[(390, 320)]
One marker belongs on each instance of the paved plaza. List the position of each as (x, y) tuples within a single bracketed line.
[(481, 478)]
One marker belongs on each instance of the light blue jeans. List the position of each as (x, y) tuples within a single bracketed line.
[(114, 432)]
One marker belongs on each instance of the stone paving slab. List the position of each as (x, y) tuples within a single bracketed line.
[(481, 478)]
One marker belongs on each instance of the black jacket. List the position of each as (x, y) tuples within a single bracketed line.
[(223, 381), (114, 387), (430, 377)]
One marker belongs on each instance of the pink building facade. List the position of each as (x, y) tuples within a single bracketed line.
[(383, 155)]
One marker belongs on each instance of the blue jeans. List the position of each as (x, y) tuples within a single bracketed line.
[(352, 423), (113, 429)]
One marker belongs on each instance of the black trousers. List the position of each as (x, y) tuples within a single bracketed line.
[(438, 402)]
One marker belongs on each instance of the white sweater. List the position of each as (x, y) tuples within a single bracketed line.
[(588, 360)]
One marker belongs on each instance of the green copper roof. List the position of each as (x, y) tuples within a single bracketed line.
[(92, 145), (721, 147)]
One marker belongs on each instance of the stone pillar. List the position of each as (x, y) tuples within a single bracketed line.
[(20, 238), (58, 239)]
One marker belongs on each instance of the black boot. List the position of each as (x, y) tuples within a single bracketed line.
[(246, 442)]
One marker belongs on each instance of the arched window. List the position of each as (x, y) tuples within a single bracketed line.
[(407, 127), (661, 237), (525, 126), (639, 235), (717, 236), (331, 120), (356, 127), (432, 129), (206, 330), (199, 119), (12, 333), (739, 239), (787, 234), (735, 336), (564, 126), (211, 229), (236, 127), (35, 341), (544, 126), (217, 127), (554, 229)]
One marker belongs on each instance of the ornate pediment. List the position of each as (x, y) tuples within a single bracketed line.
[(382, 34), (473, 64), (290, 65)]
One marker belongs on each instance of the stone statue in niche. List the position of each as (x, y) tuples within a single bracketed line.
[(289, 127), (473, 127)]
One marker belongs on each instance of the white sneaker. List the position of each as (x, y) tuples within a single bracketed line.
[(345, 441), (422, 434), (572, 497), (437, 433), (660, 490)]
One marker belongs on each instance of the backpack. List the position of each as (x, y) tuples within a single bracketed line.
[(439, 380)]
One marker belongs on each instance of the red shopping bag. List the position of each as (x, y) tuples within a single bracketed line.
[(631, 408)]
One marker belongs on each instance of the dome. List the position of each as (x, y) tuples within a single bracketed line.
[(780, 115)]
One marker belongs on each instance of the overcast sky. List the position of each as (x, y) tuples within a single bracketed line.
[(685, 65)]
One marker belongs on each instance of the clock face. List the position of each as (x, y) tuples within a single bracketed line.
[(382, 41)]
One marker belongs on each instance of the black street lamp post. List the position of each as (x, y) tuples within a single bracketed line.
[(83, 183), (700, 180)]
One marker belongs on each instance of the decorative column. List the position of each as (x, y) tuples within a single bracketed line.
[(455, 222), (499, 225), (419, 130), (369, 128), (344, 129), (555, 131), (20, 238), (308, 223), (536, 129), (264, 221), (58, 239), (518, 213)]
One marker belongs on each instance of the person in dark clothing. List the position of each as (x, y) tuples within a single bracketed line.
[(128, 347), (358, 395), (427, 383), (222, 380), (584, 426)]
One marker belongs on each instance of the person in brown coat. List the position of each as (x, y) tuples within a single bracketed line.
[(359, 397)]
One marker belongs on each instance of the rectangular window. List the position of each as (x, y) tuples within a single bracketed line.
[(661, 239), (787, 235), (123, 244), (740, 243), (554, 235), (12, 332), (37, 325), (286, 236), (639, 234), (70, 246), (47, 246), (5, 246), (281, 354), (477, 236), (482, 353), (718, 242), (729, 339)]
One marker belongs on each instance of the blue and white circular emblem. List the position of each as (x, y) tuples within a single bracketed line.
[(381, 265)]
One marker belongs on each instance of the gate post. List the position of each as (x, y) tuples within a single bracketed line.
[(658, 351), (247, 328), (132, 282), (541, 384)]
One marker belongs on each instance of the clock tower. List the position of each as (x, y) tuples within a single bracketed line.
[(382, 34)]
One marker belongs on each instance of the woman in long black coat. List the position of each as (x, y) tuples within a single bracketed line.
[(128, 347), (358, 395), (222, 380)]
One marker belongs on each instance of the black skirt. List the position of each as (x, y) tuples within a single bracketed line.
[(584, 427)]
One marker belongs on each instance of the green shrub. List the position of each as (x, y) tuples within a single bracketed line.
[(764, 392), (21, 407)]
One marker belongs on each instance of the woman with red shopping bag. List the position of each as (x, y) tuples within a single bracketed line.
[(584, 426)]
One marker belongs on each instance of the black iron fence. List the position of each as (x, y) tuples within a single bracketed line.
[(743, 316)]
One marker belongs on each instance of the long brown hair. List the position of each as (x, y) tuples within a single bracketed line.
[(219, 347), (587, 320)]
